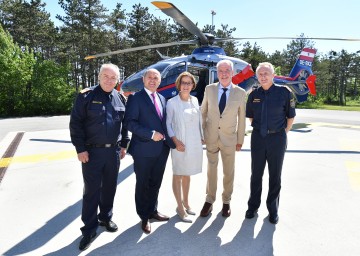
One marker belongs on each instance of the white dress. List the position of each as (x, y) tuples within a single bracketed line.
[(184, 121)]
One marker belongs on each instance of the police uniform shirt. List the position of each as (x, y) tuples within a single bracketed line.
[(96, 118), (280, 105)]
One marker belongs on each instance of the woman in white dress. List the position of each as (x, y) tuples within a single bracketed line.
[(183, 123)]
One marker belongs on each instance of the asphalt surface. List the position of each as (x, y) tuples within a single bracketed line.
[(40, 198)]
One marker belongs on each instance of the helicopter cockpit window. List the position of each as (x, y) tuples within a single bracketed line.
[(169, 77), (159, 66)]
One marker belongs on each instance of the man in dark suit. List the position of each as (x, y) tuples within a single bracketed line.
[(150, 144)]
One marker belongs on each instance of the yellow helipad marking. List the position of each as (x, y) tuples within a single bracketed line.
[(354, 174), (4, 162), (335, 125), (351, 145)]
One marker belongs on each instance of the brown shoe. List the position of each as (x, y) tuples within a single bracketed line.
[(226, 211), (207, 208), (160, 217), (145, 226)]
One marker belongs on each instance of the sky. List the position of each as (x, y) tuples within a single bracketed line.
[(258, 18)]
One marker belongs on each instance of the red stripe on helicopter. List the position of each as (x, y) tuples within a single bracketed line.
[(166, 87), (244, 74), (285, 78)]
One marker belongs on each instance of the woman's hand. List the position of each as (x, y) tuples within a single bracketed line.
[(179, 145)]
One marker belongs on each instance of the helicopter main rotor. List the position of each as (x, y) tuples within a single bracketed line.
[(203, 39)]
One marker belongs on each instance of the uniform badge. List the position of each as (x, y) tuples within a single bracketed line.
[(96, 102), (292, 103), (256, 100)]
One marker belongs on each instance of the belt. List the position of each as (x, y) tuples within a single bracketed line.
[(270, 131), (100, 145)]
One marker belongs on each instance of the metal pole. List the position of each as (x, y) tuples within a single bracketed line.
[(212, 21)]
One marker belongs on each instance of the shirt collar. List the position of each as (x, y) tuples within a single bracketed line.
[(148, 92), (221, 87)]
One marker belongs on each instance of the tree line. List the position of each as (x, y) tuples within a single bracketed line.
[(43, 66)]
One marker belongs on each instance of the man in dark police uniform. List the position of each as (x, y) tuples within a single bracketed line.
[(271, 110), (95, 125)]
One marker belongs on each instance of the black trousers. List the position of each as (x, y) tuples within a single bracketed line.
[(149, 174), (271, 150), (100, 181)]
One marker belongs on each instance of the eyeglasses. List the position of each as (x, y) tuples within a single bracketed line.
[(186, 83)]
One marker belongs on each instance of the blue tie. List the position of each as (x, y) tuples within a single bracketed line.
[(222, 102), (264, 122)]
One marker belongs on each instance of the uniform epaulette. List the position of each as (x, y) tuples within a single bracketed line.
[(287, 87), (85, 90)]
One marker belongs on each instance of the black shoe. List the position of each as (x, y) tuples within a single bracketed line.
[(109, 225), (250, 214), (85, 242), (274, 219), (206, 210)]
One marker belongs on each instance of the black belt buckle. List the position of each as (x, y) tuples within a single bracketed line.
[(108, 145), (273, 131)]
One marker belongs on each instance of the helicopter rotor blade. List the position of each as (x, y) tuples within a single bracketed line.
[(288, 38), (171, 10), (145, 47)]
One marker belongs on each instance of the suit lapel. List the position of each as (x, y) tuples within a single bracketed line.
[(149, 102), (232, 95), (216, 95)]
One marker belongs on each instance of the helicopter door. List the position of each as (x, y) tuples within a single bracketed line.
[(213, 78), (202, 80)]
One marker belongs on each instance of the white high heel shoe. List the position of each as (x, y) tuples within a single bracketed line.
[(189, 211), (184, 217)]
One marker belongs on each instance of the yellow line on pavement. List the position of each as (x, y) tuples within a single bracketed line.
[(353, 169), (4, 162)]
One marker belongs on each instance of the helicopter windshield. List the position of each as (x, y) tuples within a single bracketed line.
[(170, 75)]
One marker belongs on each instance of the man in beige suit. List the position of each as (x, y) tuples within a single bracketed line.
[(223, 113)]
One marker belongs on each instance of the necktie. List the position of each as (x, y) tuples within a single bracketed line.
[(222, 102), (263, 126), (156, 105)]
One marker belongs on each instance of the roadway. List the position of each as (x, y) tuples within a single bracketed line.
[(40, 197)]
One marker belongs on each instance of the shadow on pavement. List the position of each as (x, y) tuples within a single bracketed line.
[(57, 224)]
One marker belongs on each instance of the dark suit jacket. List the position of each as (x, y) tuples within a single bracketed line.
[(141, 119)]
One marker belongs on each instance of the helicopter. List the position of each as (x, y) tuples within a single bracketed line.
[(202, 63)]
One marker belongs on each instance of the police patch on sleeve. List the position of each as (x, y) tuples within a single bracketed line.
[(292, 103)]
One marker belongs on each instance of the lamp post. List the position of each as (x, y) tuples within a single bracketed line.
[(212, 20)]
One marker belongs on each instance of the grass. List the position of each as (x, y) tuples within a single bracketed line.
[(351, 105)]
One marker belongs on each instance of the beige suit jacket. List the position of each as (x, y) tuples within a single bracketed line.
[(230, 126)]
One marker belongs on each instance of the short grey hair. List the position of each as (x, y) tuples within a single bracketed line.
[(267, 65), (114, 67), (229, 62)]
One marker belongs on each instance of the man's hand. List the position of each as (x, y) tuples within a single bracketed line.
[(122, 153), (238, 147), (83, 157), (158, 136)]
